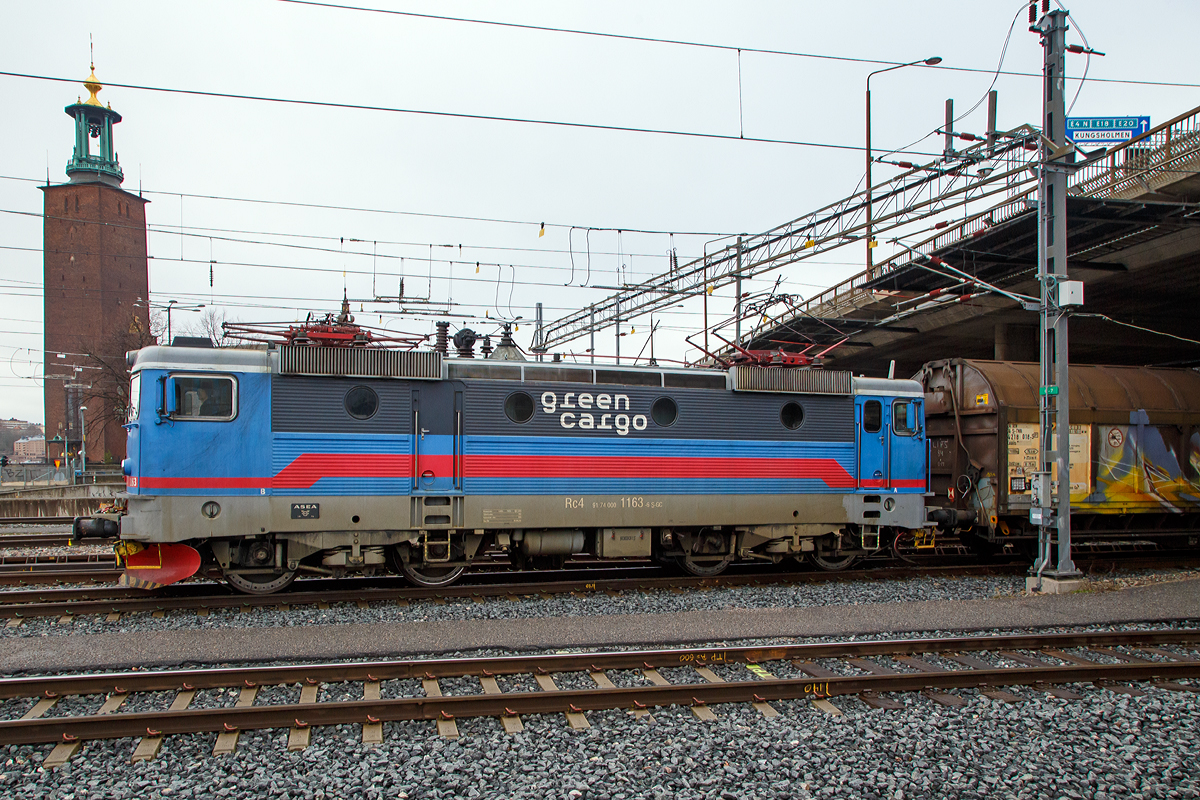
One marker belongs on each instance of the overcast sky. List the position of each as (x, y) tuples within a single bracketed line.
[(410, 188)]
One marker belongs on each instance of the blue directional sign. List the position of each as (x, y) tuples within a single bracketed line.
[(1106, 131)]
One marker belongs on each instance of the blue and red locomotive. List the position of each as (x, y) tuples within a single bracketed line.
[(272, 461)]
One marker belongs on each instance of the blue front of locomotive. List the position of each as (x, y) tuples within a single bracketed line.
[(199, 426)]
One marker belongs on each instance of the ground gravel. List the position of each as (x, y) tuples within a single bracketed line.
[(797, 596), (535, 606), (1101, 747)]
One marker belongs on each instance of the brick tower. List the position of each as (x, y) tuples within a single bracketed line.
[(96, 290)]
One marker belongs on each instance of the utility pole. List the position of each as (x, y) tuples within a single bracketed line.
[(618, 332), (1053, 514), (737, 314), (537, 335)]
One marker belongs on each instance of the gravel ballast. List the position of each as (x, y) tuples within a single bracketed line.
[(597, 604), (533, 606), (1104, 745)]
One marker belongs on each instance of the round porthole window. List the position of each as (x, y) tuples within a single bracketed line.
[(518, 407), (664, 412), (362, 402), (792, 416)]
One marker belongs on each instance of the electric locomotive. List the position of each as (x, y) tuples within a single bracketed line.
[(267, 462)]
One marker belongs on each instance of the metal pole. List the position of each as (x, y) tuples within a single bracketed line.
[(537, 335), (618, 330), (737, 325), (931, 62), (82, 440), (592, 332), (1052, 235), (870, 256), (949, 149), (653, 362), (991, 131)]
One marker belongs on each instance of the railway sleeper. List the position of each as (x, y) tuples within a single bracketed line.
[(816, 683)]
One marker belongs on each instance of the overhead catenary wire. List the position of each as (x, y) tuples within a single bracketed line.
[(172, 231), (1107, 318), (703, 45), (449, 114), (397, 212)]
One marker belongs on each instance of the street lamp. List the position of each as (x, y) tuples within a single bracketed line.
[(82, 442), (929, 62), (171, 304)]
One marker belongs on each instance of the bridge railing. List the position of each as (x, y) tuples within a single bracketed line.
[(1162, 155), (1145, 163)]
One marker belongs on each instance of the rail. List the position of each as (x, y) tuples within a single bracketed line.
[(1039, 664)]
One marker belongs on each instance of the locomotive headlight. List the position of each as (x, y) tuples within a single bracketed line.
[(211, 509)]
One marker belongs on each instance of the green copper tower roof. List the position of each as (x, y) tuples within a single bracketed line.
[(94, 160)]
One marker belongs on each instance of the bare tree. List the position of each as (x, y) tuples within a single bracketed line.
[(211, 326), (107, 393), (158, 327)]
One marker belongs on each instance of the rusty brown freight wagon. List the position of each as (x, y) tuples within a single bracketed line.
[(1134, 438)]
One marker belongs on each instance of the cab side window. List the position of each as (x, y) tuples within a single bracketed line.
[(872, 416), (204, 397), (902, 422)]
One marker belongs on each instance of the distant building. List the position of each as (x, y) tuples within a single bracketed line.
[(96, 288), (31, 448), (13, 424)]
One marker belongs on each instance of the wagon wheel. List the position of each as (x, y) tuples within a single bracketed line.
[(704, 567), (431, 575), (831, 563), (706, 553), (263, 583), (419, 573)]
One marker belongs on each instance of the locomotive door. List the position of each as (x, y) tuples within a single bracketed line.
[(437, 420), (873, 423), (906, 445)]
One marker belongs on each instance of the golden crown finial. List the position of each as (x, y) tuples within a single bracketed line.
[(94, 86)]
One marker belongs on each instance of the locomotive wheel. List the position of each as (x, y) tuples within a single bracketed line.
[(266, 583), (704, 569), (430, 575), (831, 563)]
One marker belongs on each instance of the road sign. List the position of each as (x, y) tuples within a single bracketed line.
[(1105, 130)]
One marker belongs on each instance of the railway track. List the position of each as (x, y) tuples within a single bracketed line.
[(33, 569), (12, 541), (204, 597), (699, 678), (36, 521)]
